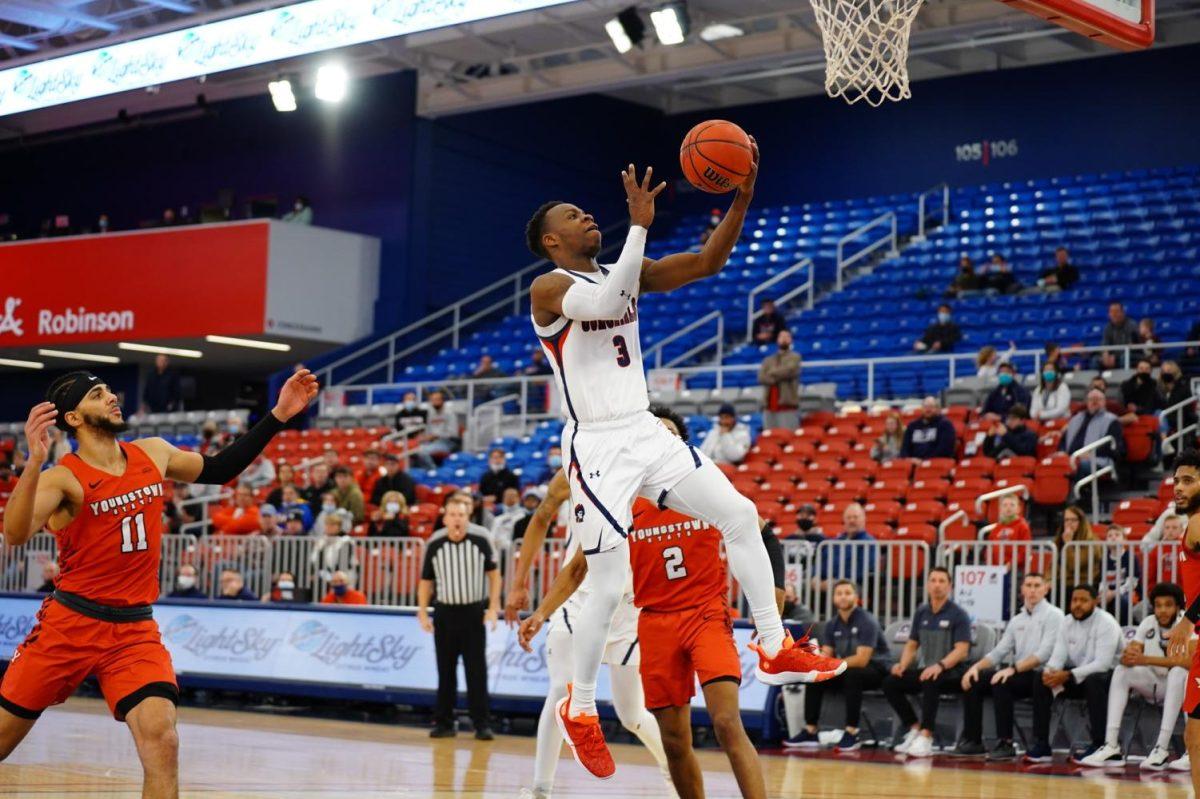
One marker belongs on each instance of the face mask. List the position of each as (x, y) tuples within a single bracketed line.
[(286, 585), (328, 507), (943, 318), (234, 429), (339, 590), (555, 461), (496, 467), (784, 347), (1005, 379), (1143, 378), (1168, 378), (299, 206), (104, 224), (185, 582), (805, 524), (393, 508), (1049, 376)]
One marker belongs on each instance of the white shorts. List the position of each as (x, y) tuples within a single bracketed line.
[(621, 648), (610, 464)]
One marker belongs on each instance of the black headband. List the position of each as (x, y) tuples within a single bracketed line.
[(67, 392)]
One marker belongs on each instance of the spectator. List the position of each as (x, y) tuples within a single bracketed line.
[(50, 572), (887, 445), (487, 369), (939, 640), (479, 518), (293, 506), (714, 219), (508, 513), (283, 589), (1147, 335), (988, 360), (335, 549), (1063, 274), (769, 324), (498, 476), (161, 393), (942, 335), (242, 518), (340, 592), (259, 474), (411, 415), (1091, 424), (1010, 671), (843, 562), (1008, 393), (371, 471), (554, 462), (965, 281), (1191, 356), (1145, 668), (1119, 332), (1010, 525), (779, 375), (185, 584), (1139, 394), (1052, 397), (806, 520), (301, 213), (1080, 667), (331, 458), (1012, 437), (347, 495), (999, 276), (168, 218), (319, 482), (1173, 389), (233, 586), (538, 365), (931, 436), (855, 636), (285, 475), (1159, 558), (268, 521), (329, 508), (1079, 564), (294, 523), (394, 479), (454, 572), (729, 440), (441, 436), (390, 518), (60, 445), (1122, 574)]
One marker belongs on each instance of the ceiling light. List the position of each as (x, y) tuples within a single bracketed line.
[(128, 345), (332, 80), (620, 39), (626, 30), (80, 356), (282, 95), (714, 33), (22, 364), (671, 23), (249, 342)]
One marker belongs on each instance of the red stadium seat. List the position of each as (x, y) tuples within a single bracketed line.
[(1166, 490), (842, 494), (961, 529), (922, 490), (783, 435), (881, 531), (975, 467), (924, 512), (1139, 439), (861, 464), (1137, 512), (886, 511), (833, 448), (919, 532), (934, 468), (760, 469), (892, 489), (1048, 444), (1052, 480), (810, 494), (901, 468), (1018, 466)]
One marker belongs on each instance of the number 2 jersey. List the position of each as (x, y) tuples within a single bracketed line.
[(676, 560), (110, 551)]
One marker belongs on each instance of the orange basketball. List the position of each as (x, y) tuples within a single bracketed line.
[(715, 156)]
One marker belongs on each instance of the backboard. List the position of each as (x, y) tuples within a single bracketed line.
[(1122, 24)]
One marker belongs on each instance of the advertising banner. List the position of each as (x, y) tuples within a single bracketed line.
[(979, 590)]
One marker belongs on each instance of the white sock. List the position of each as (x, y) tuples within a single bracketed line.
[(607, 574), (549, 738), (1118, 696), (1172, 704)]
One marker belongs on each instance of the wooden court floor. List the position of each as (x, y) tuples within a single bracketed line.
[(77, 750)]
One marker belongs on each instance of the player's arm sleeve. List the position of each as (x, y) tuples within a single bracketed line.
[(774, 552), (608, 300), (228, 463)]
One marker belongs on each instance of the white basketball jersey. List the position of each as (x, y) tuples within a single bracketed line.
[(598, 365)]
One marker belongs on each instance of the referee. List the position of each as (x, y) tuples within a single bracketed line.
[(460, 569)]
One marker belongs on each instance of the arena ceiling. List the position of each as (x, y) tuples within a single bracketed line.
[(556, 52)]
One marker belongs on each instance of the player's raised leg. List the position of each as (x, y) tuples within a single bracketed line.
[(152, 723)]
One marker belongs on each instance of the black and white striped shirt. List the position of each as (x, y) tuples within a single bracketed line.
[(458, 569)]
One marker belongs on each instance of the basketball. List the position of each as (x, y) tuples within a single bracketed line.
[(715, 156)]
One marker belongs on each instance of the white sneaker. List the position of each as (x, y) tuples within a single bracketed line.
[(829, 737), (1107, 756), (533, 793), (1156, 760), (1182, 764), (921, 747), (909, 737)]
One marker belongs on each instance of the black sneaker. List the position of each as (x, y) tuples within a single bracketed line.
[(1003, 750), (484, 734), (968, 749), (442, 731), (1040, 753)]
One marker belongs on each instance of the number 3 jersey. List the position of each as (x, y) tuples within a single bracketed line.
[(110, 551), (676, 560), (597, 364)]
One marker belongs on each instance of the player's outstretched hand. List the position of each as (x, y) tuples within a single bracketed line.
[(517, 601), (299, 390), (37, 431), (746, 189), (640, 196), (529, 630), (1177, 644)]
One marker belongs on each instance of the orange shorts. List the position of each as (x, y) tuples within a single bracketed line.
[(65, 647), (679, 646)]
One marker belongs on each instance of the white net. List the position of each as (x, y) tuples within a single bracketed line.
[(866, 48)]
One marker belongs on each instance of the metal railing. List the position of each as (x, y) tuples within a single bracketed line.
[(546, 565), (809, 287), (1180, 429), (940, 190), (1015, 557), (1094, 474), (1122, 571), (480, 432), (891, 238), (717, 339), (983, 499)]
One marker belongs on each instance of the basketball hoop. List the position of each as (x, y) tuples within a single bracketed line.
[(866, 48)]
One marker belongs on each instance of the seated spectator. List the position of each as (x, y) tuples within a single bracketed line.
[(268, 521), (319, 481), (347, 495), (330, 510), (185, 584), (1119, 332), (394, 478), (285, 475), (301, 213), (1010, 671), (260, 473), (999, 276), (988, 360), (1090, 425), (1157, 678), (769, 324), (241, 518), (1052, 397), (840, 562), (729, 440), (293, 506), (887, 445), (331, 458), (233, 586), (50, 572), (1013, 437), (1063, 274), (283, 589), (1080, 667), (1139, 394), (931, 436), (1172, 390), (487, 369), (1191, 355), (1122, 574), (411, 414), (1078, 564), (442, 433), (855, 636), (1147, 335), (932, 663), (390, 518), (779, 375), (335, 549), (1160, 559), (294, 524), (554, 462), (371, 471), (965, 281), (806, 520), (340, 592), (942, 335), (498, 477), (508, 512), (1010, 525), (1008, 393)]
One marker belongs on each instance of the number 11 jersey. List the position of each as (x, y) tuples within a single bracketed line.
[(676, 560)]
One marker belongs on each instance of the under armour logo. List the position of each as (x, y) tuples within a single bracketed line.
[(593, 475), (625, 293), (579, 513), (9, 323)]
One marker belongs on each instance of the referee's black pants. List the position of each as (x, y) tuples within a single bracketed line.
[(458, 631)]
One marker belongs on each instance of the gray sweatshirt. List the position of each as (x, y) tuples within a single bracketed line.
[(1028, 633), (1087, 647)]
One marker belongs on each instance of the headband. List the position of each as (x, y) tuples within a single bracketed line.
[(67, 392)]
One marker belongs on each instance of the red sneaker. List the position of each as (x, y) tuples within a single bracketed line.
[(586, 739), (796, 661)]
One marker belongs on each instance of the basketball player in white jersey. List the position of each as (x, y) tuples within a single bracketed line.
[(621, 652), (587, 318)]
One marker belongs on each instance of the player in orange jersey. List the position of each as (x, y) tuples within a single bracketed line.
[(1187, 502), (685, 631), (104, 504)]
